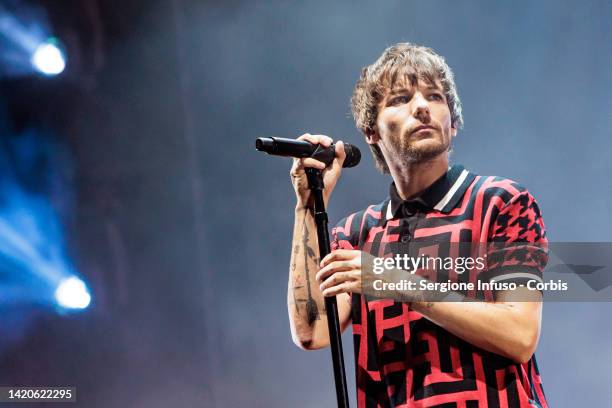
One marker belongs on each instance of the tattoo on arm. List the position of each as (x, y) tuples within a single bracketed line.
[(312, 308), (296, 282)]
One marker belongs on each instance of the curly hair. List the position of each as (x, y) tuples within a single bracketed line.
[(402, 61)]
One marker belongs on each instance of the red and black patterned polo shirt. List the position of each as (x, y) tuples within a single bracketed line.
[(404, 360)]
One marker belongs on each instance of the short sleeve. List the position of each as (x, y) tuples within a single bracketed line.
[(518, 248)]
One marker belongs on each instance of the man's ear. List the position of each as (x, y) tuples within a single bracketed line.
[(372, 136), (453, 131)]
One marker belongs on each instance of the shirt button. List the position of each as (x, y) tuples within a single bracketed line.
[(405, 238)]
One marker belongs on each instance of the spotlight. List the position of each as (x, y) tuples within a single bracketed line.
[(48, 58), (72, 293)]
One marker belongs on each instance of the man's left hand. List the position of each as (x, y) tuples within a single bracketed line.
[(341, 272)]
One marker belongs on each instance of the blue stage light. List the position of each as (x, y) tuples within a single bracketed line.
[(48, 58), (35, 266), (72, 293)]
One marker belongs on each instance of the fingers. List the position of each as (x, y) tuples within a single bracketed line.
[(340, 254), (340, 154), (310, 162), (338, 281), (334, 268), (346, 287), (342, 275), (300, 164), (317, 139)]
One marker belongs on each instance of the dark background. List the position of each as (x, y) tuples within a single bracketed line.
[(183, 231)]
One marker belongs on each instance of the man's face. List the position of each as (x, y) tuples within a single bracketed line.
[(413, 123)]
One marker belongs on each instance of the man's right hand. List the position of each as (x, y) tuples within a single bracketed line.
[(330, 174)]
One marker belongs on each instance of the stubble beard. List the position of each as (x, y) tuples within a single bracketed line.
[(410, 151)]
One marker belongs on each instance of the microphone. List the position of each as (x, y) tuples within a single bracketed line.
[(279, 146)]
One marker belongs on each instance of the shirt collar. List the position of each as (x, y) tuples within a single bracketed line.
[(442, 195)]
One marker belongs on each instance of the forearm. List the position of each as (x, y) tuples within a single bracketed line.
[(507, 326), (304, 299), (509, 329)]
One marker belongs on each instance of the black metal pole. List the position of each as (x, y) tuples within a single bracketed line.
[(315, 183)]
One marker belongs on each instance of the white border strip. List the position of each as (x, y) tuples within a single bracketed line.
[(452, 191), (389, 212)]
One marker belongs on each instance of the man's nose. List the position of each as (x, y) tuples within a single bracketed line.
[(421, 108)]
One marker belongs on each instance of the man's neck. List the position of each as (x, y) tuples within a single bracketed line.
[(413, 178)]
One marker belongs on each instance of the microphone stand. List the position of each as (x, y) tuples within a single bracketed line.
[(316, 185)]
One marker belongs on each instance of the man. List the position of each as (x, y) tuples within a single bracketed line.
[(420, 353)]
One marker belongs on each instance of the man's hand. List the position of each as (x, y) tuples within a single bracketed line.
[(341, 272), (330, 174), (351, 271)]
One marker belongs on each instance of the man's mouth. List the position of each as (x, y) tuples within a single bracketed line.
[(422, 127)]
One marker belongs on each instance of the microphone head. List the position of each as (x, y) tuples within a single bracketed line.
[(353, 155)]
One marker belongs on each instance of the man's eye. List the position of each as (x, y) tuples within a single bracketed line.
[(398, 100), (436, 96)]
